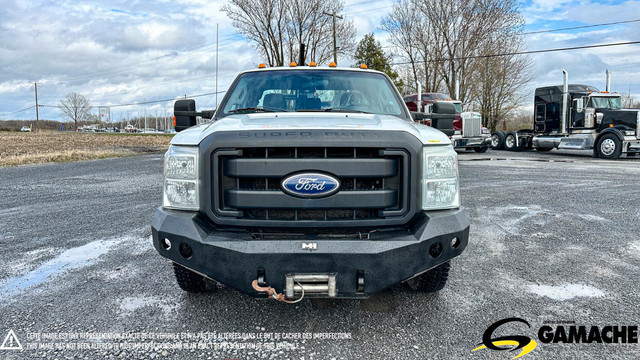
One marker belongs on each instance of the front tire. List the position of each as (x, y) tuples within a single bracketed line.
[(431, 281), (609, 147), (188, 280)]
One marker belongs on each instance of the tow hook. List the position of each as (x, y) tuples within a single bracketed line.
[(273, 294)]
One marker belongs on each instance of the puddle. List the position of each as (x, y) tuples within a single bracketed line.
[(68, 260), (565, 292)]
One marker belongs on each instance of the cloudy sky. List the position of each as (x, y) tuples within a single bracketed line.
[(123, 52)]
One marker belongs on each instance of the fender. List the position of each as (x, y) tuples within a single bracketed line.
[(613, 130)]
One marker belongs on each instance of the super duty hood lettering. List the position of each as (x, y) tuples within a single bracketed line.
[(307, 134)]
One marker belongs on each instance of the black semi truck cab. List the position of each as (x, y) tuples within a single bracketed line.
[(577, 117), (310, 182)]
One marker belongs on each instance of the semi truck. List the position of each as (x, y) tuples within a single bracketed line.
[(577, 117), (468, 132)]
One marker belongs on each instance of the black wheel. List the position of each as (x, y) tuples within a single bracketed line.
[(188, 280), (497, 140), (609, 147), (431, 281), (543, 149), (510, 143), (481, 149)]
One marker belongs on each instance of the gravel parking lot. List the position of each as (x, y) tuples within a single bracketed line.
[(554, 237)]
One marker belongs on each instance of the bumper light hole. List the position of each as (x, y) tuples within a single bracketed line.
[(165, 243), (436, 250), (185, 251), (455, 242)]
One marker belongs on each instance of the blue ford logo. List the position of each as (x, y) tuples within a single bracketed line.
[(310, 185)]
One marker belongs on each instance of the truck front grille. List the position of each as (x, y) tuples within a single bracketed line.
[(471, 126), (374, 185)]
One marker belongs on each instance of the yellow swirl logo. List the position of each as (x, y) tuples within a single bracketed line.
[(509, 343)]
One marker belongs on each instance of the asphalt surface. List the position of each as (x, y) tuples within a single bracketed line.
[(554, 237)]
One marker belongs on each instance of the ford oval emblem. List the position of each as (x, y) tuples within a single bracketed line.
[(310, 185)]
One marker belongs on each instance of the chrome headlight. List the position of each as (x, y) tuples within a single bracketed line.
[(440, 178), (181, 178)]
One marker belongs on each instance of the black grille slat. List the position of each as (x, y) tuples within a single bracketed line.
[(260, 199), (372, 184), (270, 167)]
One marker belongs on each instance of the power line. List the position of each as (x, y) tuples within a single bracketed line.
[(364, 2), (554, 30), (579, 27), (19, 111), (146, 102), (526, 52), (367, 10)]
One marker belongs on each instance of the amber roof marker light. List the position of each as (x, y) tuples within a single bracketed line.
[(332, 64), (293, 64), (363, 66), (262, 66), (312, 64)]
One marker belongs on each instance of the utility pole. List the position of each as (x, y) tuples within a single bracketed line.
[(335, 46), (37, 115)]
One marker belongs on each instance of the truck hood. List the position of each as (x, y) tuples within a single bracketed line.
[(311, 121), (626, 117)]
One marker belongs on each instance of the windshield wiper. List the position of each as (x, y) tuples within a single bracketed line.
[(255, 109), (248, 109), (346, 110)]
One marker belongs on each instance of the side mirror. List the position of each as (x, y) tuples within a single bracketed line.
[(578, 105), (184, 113), (443, 107), (444, 112)]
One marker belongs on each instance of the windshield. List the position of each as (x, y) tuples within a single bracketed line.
[(458, 107), (312, 90), (606, 102)]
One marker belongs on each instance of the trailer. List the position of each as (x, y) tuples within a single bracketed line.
[(577, 117)]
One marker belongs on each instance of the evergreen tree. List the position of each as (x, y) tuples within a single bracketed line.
[(369, 52)]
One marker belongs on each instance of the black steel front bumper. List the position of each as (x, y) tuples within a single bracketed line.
[(386, 258)]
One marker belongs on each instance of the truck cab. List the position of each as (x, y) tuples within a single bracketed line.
[(577, 117), (595, 119), (468, 130), (309, 182)]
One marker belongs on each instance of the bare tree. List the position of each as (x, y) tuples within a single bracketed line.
[(75, 107), (448, 42), (278, 27), (499, 80), (628, 101), (403, 25), (462, 29), (411, 33)]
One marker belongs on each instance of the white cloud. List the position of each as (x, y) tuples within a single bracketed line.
[(118, 51)]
